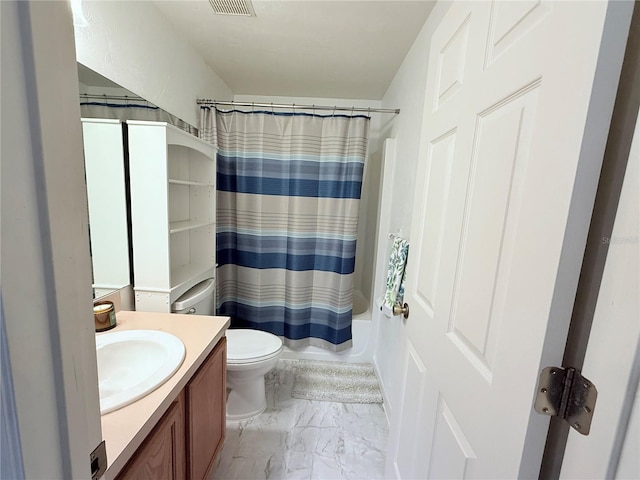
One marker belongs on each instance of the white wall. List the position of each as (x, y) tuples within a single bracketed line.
[(628, 466), (132, 44), (613, 347), (406, 92)]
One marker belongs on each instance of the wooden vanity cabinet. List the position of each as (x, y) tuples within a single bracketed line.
[(206, 413), (186, 441), (162, 454)]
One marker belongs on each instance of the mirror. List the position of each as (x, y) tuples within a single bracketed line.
[(105, 106), (105, 171), (105, 167)]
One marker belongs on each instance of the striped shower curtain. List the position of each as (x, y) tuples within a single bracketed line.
[(288, 191)]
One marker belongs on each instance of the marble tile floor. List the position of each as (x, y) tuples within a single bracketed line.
[(304, 439)]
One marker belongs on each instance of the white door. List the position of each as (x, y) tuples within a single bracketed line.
[(505, 185), (46, 267)]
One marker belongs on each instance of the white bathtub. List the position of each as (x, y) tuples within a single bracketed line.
[(361, 330)]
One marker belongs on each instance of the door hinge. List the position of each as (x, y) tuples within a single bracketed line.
[(565, 393), (98, 461)]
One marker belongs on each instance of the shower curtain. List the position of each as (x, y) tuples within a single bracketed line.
[(287, 211)]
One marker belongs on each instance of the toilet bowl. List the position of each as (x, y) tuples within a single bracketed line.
[(250, 355)]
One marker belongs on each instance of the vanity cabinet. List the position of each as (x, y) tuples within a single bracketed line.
[(173, 210), (162, 456), (206, 413), (186, 441)]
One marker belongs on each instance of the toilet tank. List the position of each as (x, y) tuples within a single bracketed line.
[(198, 300)]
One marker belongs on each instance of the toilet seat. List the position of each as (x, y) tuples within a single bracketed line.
[(246, 346)]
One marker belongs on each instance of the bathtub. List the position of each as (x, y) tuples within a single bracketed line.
[(361, 330)]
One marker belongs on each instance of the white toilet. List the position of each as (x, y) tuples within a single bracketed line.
[(250, 355)]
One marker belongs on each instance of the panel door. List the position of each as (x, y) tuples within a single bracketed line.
[(505, 184)]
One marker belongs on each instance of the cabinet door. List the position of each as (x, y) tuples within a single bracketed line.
[(163, 454), (206, 412)]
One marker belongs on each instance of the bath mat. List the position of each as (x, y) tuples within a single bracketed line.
[(336, 382)]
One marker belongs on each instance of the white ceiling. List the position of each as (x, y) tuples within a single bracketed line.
[(303, 48)]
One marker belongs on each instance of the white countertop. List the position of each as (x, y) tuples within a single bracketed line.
[(125, 429)]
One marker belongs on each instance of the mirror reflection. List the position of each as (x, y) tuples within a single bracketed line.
[(105, 106), (105, 169)]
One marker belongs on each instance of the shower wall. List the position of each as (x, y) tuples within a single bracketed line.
[(368, 226), (406, 92)]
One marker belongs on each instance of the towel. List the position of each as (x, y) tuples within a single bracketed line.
[(394, 293)]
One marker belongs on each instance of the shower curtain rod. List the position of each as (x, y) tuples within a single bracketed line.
[(115, 97), (293, 106)]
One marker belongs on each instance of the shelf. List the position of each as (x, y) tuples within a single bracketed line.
[(192, 184), (176, 227), (170, 256), (184, 273), (186, 276), (172, 135)]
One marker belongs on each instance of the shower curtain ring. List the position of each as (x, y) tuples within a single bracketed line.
[(252, 105), (334, 111), (272, 112), (313, 109), (352, 108)]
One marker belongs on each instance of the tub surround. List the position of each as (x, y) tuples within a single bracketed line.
[(362, 337), (124, 430)]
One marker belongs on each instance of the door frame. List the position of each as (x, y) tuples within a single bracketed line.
[(614, 165), (46, 269)]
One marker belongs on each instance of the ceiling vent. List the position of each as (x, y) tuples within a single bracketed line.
[(233, 7)]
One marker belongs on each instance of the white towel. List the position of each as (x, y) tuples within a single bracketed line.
[(394, 292)]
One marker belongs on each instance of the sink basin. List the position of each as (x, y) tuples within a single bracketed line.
[(133, 363)]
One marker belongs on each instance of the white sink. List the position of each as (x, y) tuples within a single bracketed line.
[(133, 363)]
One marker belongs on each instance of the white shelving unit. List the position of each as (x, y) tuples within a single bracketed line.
[(173, 208)]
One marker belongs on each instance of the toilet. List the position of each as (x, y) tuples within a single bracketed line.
[(250, 355)]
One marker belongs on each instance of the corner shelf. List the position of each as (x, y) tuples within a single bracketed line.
[(188, 183), (173, 185), (185, 225), (185, 276)]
